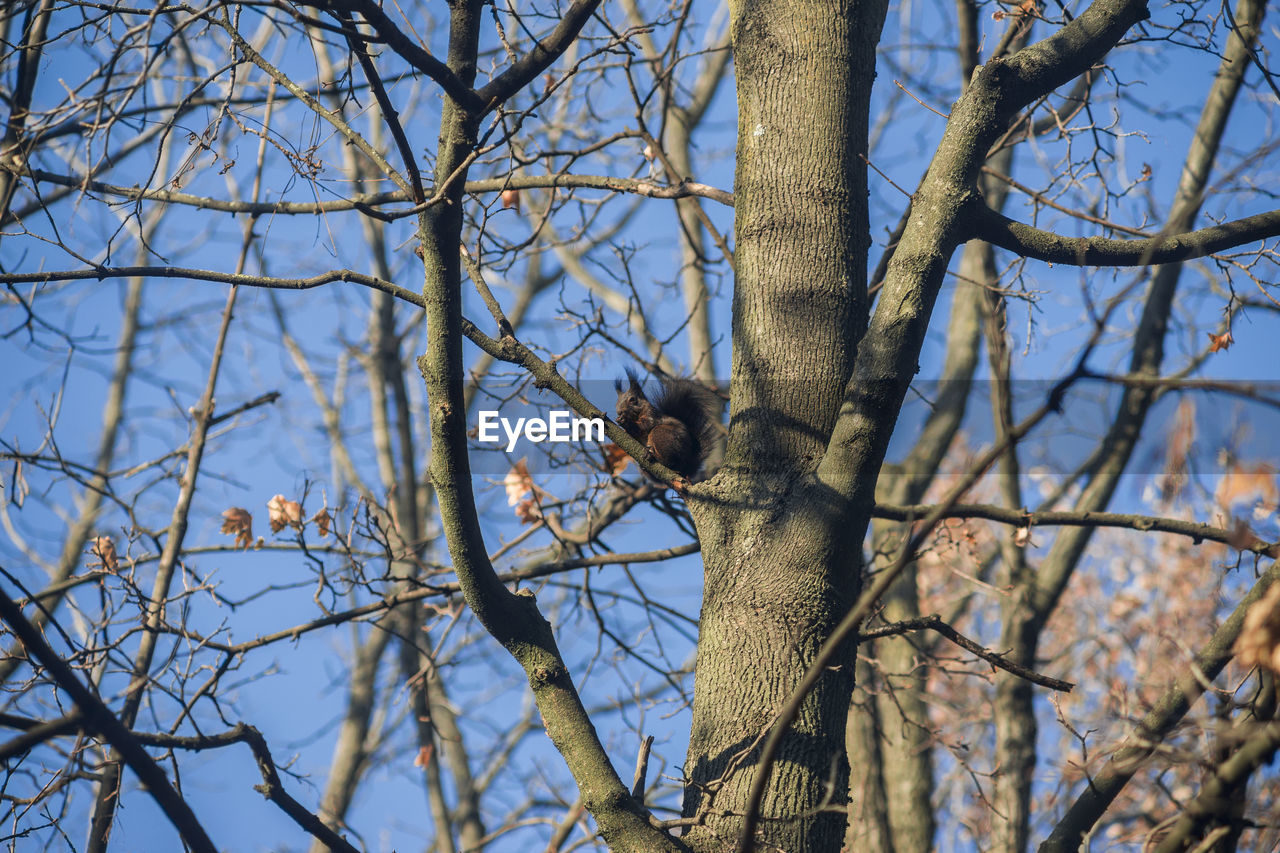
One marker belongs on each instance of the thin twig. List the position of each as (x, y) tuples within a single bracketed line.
[(99, 718), (935, 623)]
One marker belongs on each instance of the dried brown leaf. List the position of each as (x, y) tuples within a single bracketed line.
[(616, 460), (1251, 484), (239, 522), (518, 482), (323, 521), (528, 511), (1220, 343), (104, 549), (1241, 536), (1259, 640), (282, 512)]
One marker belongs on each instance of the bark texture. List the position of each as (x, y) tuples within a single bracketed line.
[(780, 536), (780, 564)]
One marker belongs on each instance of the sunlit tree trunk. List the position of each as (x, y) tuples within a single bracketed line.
[(780, 571)]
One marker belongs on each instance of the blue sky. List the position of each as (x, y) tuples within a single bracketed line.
[(293, 691)]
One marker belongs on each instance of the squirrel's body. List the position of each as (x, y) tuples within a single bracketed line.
[(678, 427)]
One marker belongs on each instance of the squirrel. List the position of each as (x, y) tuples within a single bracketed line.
[(678, 427)]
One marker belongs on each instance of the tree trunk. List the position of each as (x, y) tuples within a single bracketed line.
[(781, 526), (781, 568)]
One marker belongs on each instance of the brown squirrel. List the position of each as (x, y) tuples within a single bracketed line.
[(678, 427)]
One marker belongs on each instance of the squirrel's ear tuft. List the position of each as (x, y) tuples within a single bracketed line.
[(617, 385), (635, 383)]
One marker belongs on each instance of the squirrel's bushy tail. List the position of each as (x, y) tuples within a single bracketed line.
[(697, 407)]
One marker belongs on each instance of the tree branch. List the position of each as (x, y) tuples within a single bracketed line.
[(329, 277), (271, 787), (367, 202), (1031, 242), (311, 103), (99, 718), (833, 645), (390, 114), (452, 588), (37, 731), (1103, 788), (1257, 749), (533, 63), (1085, 518), (507, 349), (888, 354), (935, 623), (408, 49)]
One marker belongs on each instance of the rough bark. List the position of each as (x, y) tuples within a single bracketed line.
[(867, 826), (779, 566), (780, 550), (804, 72)]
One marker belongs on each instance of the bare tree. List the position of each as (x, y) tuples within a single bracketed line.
[(947, 601)]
